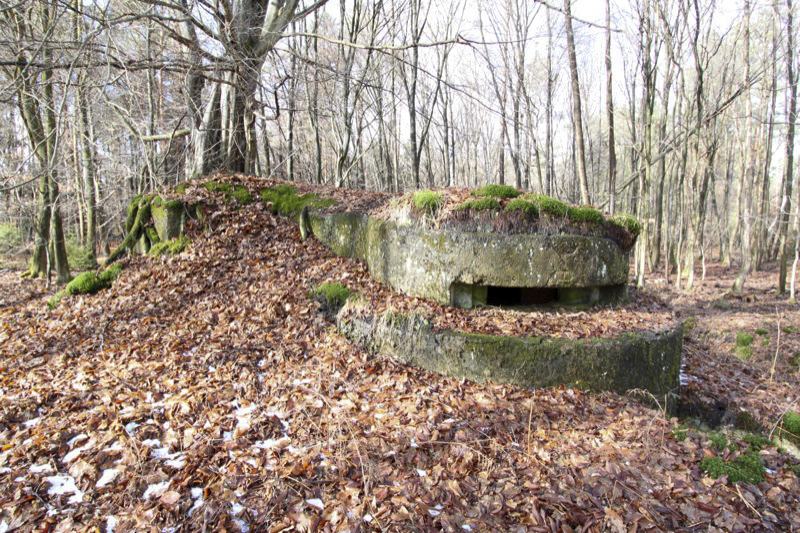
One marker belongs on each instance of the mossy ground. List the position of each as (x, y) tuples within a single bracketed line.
[(743, 348), (240, 193), (522, 205), (745, 465), (586, 215), (790, 429)]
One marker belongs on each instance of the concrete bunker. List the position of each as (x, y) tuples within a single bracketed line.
[(466, 296)]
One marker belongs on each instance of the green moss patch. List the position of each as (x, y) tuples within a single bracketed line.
[(743, 342), (170, 248), (549, 206), (180, 189), (331, 294), (90, 283), (586, 215), (761, 331), (497, 191), (242, 195), (215, 186), (427, 200), (285, 200), (521, 205), (627, 222), (487, 203), (746, 467), (790, 428)]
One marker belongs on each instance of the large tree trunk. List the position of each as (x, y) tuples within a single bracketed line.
[(786, 201)]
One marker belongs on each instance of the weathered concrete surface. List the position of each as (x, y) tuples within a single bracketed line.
[(646, 361), (168, 219), (428, 263)]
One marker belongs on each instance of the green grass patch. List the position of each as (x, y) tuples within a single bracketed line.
[(586, 215), (789, 329), (497, 191), (487, 203), (170, 248), (522, 205), (549, 206), (744, 339), (332, 294), (285, 200), (761, 331), (427, 200)]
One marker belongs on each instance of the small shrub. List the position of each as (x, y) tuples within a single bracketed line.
[(332, 294), (10, 237), (744, 352), (486, 203), (497, 191), (761, 331), (427, 200), (78, 256), (522, 205), (549, 206), (746, 467), (629, 222), (173, 247), (586, 215), (789, 329)]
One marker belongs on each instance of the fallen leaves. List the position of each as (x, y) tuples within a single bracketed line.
[(207, 391)]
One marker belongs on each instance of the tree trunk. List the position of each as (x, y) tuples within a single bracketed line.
[(580, 148), (786, 201)]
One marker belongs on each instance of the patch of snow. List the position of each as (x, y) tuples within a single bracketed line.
[(40, 469), (20, 479), (211, 369), (227, 436), (33, 422), (244, 527), (151, 443), (4, 470), (368, 518), (111, 523), (466, 527), (413, 443), (237, 509), (109, 474), (243, 417), (176, 463), (197, 492), (272, 443), (161, 453), (3, 526), (64, 484), (116, 447), (156, 490), (316, 502), (421, 473), (433, 512), (76, 438), (130, 427)]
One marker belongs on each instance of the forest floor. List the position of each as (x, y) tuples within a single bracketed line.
[(207, 392)]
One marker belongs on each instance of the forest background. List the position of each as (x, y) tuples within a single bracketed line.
[(681, 112)]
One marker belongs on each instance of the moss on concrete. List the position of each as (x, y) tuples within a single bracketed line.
[(486, 203), (285, 200), (586, 215), (170, 248), (497, 191), (332, 294), (549, 206), (523, 205), (631, 361), (90, 283)]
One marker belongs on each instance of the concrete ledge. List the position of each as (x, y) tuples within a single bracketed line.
[(649, 361), (445, 265)]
